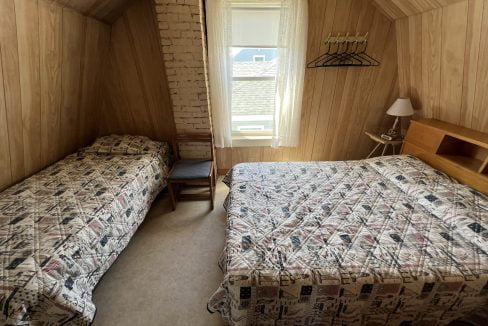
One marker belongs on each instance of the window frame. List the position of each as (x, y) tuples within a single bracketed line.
[(253, 138)]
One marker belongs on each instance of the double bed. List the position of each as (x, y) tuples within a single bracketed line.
[(62, 228), (385, 241)]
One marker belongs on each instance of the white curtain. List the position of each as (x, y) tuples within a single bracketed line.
[(292, 50), (219, 33)]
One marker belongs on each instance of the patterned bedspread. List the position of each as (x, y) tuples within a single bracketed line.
[(374, 242), (61, 229)]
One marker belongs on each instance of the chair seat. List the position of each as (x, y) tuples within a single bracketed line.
[(190, 169)]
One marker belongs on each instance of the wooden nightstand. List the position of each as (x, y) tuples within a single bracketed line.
[(385, 143)]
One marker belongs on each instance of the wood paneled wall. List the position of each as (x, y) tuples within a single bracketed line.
[(396, 9), (137, 99), (51, 62), (339, 103), (105, 10), (443, 63)]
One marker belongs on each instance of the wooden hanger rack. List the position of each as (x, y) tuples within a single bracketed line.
[(345, 51)]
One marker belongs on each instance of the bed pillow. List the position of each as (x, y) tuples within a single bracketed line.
[(125, 145)]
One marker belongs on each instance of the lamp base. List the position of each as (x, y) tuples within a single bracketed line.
[(393, 133)]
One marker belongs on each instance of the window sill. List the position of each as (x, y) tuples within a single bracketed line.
[(251, 141)]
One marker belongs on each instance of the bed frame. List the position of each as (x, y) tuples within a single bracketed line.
[(457, 151)]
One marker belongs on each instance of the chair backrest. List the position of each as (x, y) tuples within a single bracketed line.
[(193, 138)]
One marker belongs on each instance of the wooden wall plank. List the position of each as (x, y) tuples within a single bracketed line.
[(102, 70), (415, 55), (115, 97), (473, 40), (27, 16), (92, 78), (431, 63), (5, 170), (480, 111), (454, 25), (50, 33), (403, 45), (74, 26), (11, 83)]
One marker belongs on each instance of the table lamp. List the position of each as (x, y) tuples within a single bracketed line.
[(401, 108)]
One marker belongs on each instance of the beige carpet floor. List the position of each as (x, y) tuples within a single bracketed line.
[(169, 269)]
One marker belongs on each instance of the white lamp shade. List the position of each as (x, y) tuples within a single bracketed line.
[(401, 108)]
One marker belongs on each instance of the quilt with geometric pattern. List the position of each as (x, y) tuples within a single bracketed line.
[(384, 241), (61, 229)]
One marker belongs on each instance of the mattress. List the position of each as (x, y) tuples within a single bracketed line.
[(385, 241), (61, 229)]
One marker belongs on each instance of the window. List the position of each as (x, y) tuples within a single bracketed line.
[(254, 69), (257, 59)]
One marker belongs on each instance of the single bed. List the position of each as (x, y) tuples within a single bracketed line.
[(385, 241), (61, 229)]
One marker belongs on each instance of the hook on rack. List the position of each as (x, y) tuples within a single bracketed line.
[(345, 51)]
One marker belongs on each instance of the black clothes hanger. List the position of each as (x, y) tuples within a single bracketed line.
[(345, 51)]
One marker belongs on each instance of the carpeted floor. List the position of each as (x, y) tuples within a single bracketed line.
[(169, 269)]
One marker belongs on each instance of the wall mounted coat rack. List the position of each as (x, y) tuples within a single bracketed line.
[(345, 51)]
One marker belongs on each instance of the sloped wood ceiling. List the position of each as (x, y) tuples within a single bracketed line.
[(137, 99), (105, 10), (396, 9)]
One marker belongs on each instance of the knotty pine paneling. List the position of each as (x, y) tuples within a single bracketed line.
[(48, 62), (136, 91), (339, 103), (443, 60)]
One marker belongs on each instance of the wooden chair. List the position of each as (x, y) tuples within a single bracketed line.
[(192, 173)]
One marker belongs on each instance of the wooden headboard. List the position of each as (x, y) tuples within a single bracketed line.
[(459, 152)]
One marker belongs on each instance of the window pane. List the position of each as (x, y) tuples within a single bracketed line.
[(253, 89), (255, 27)]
